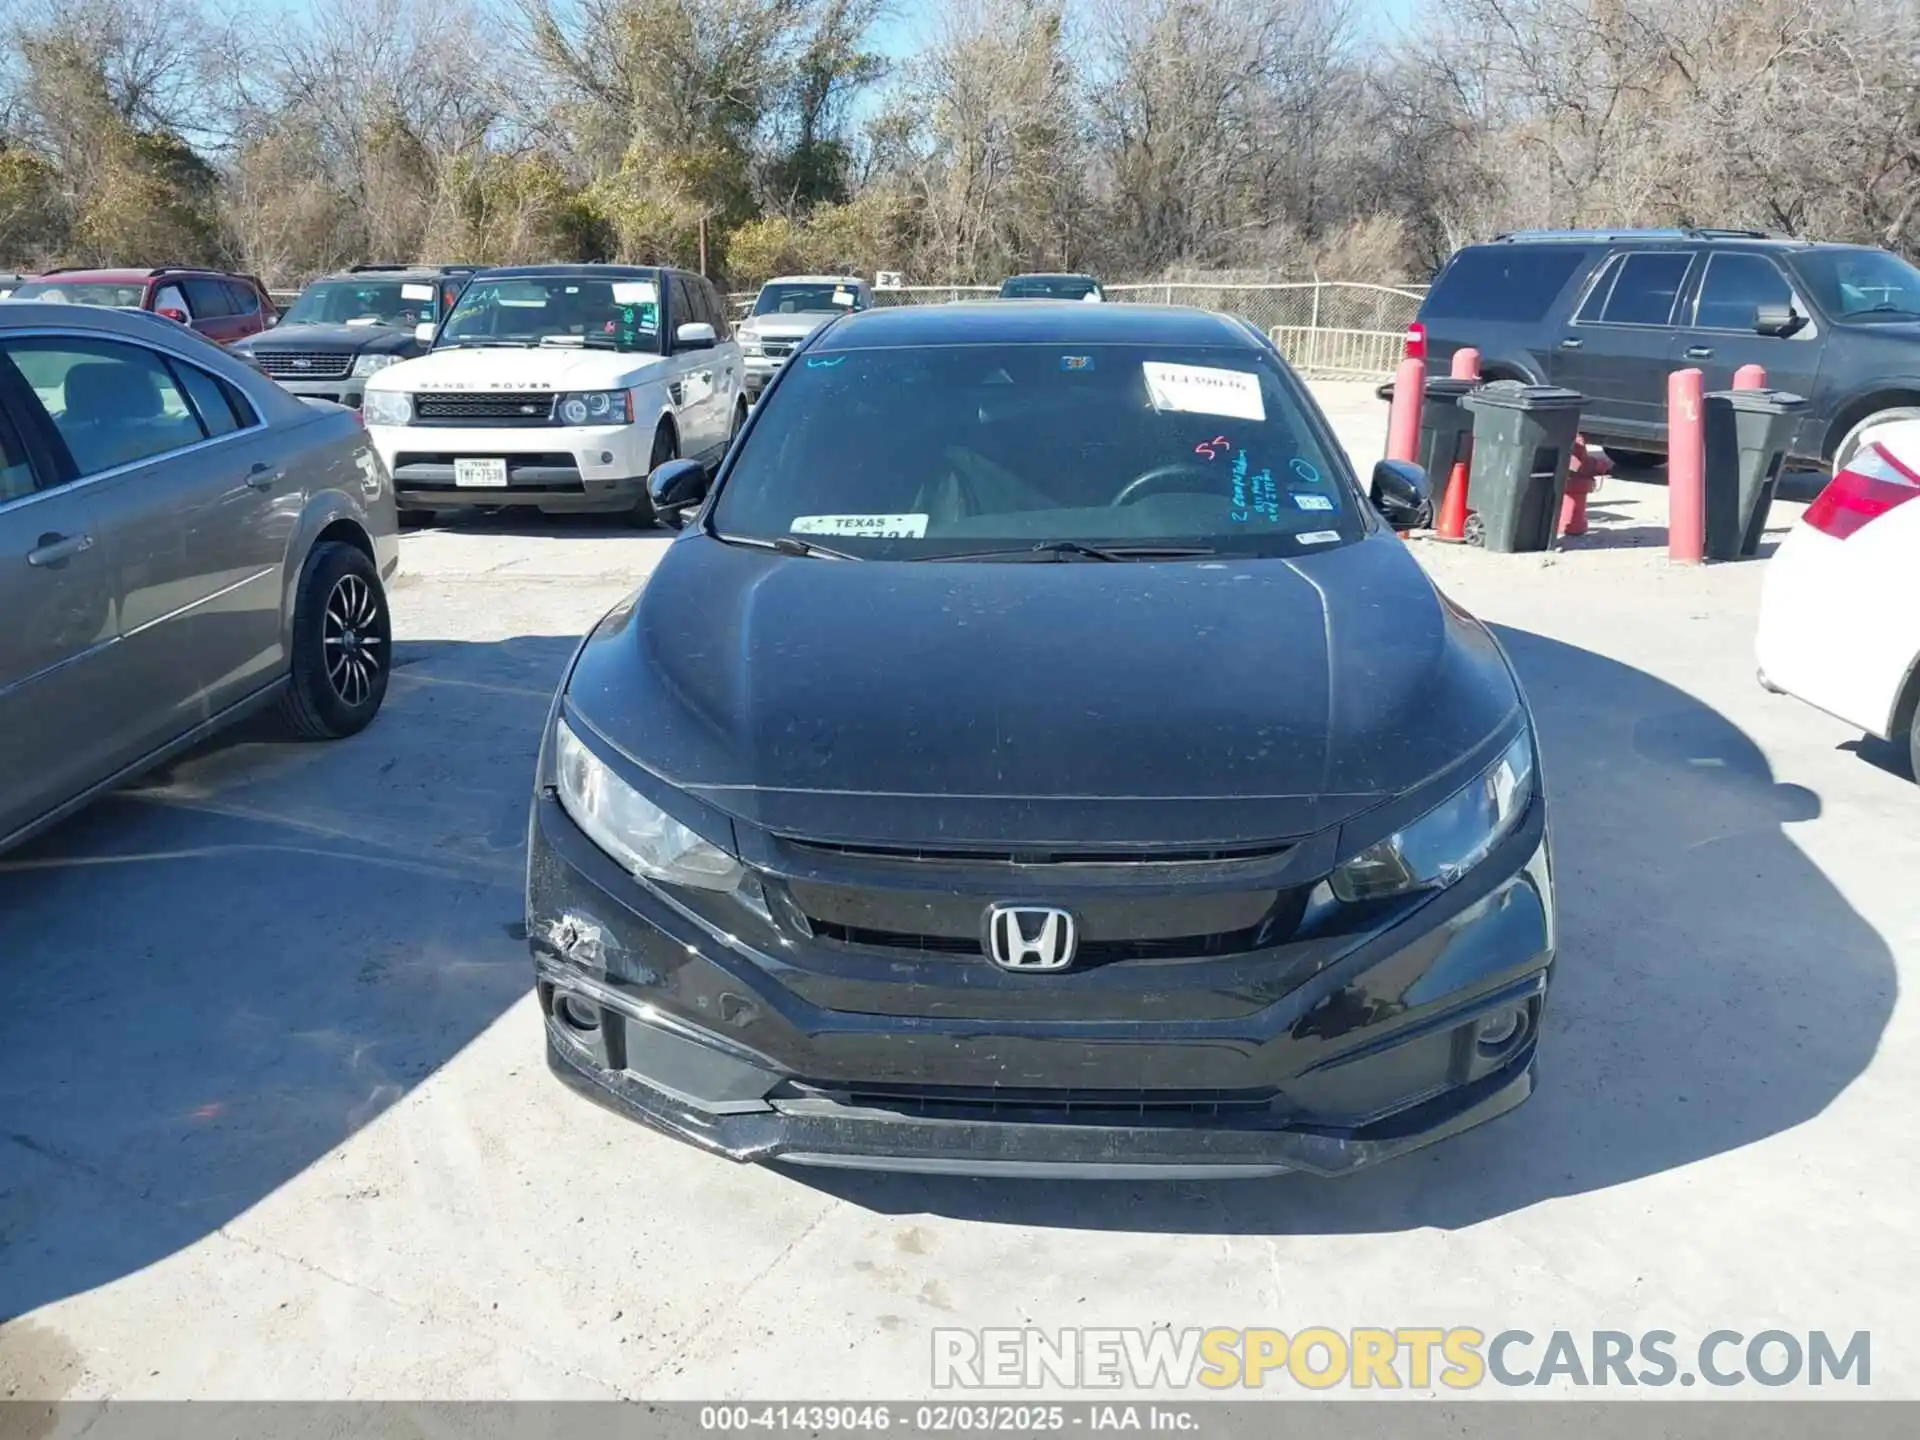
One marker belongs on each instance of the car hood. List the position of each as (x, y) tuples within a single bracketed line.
[(1186, 704), (332, 339), (529, 368), (786, 327)]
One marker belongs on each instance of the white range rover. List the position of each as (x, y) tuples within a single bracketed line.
[(560, 387)]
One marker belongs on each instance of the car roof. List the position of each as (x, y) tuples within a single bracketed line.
[(397, 272), (1062, 322), (1051, 275), (814, 280), (1755, 239), (607, 272), (142, 324), (111, 276)]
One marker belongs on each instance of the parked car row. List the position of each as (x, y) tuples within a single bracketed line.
[(219, 306)]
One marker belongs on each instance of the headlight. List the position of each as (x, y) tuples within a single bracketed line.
[(368, 364), (632, 829), (595, 407), (1450, 839), (749, 342), (387, 407)]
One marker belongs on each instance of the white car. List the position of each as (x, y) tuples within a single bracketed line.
[(1840, 610), (786, 311), (560, 387)]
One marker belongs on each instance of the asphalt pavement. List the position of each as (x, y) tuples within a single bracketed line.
[(276, 1122)]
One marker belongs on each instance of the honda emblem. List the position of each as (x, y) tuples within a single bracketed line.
[(1031, 937)]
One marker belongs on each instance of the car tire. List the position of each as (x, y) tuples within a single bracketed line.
[(342, 646), (1850, 442), (1913, 745), (664, 449)]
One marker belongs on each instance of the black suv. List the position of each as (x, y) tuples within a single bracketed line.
[(345, 327), (1613, 313)]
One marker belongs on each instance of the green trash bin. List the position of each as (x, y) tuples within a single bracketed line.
[(1445, 429), (1522, 443), (1747, 434)]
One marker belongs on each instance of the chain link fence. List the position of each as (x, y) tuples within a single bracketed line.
[(1334, 329)]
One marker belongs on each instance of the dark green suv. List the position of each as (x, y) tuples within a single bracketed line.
[(346, 327), (1613, 313)]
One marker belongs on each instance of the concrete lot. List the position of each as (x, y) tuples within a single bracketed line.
[(276, 1122)]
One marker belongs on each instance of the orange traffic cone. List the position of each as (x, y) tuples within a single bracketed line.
[(1453, 508)]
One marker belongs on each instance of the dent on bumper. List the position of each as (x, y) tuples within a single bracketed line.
[(1395, 1078)]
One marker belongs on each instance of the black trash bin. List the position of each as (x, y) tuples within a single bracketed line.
[(1522, 443), (1445, 430), (1747, 434)]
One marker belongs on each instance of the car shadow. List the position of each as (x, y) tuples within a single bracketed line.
[(526, 522), (216, 977), (1713, 988)]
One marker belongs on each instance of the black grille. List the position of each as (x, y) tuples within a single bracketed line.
[(1085, 1107), (304, 364), (1047, 857), (1113, 926), (510, 407), (777, 348)]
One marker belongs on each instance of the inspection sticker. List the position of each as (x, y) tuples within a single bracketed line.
[(416, 292), (843, 297), (1312, 502), (1204, 390), (877, 527), (635, 292), (1318, 537)]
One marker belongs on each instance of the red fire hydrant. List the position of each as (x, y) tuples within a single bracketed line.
[(1583, 478)]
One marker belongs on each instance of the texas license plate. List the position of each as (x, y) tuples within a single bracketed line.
[(490, 474)]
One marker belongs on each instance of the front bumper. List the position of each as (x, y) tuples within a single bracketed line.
[(555, 467), (347, 391), (648, 1010), (757, 372)]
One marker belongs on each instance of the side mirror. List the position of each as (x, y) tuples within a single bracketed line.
[(675, 488), (1401, 494), (423, 332), (1778, 320), (179, 317), (695, 335)]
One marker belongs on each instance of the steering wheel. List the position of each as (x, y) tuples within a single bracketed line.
[(1177, 476)]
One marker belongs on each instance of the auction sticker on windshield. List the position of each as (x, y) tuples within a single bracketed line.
[(416, 292), (1204, 390), (635, 292), (878, 527)]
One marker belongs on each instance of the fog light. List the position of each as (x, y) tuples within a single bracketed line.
[(606, 457), (1501, 1030), (580, 1016)]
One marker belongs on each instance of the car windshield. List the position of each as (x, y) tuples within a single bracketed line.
[(1048, 287), (1861, 286), (402, 304), (589, 311), (808, 298), (84, 292), (1027, 451)]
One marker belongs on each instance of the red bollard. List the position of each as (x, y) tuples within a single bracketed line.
[(1466, 364), (1583, 478), (1403, 420), (1686, 468), (1750, 377)]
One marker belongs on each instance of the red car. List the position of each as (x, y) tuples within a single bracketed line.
[(221, 307)]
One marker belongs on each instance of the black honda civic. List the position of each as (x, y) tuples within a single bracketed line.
[(1039, 755)]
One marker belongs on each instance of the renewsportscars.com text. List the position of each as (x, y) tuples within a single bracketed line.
[(1381, 1358)]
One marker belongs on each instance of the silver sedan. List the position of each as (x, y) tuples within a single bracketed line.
[(182, 543)]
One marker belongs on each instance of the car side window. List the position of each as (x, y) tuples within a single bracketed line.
[(169, 297), (242, 298), (208, 298), (16, 472), (1645, 288), (684, 310), (213, 401), (1735, 286), (111, 404), (716, 310)]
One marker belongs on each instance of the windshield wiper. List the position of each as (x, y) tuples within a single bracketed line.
[(1065, 550), (481, 345), (787, 545)]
